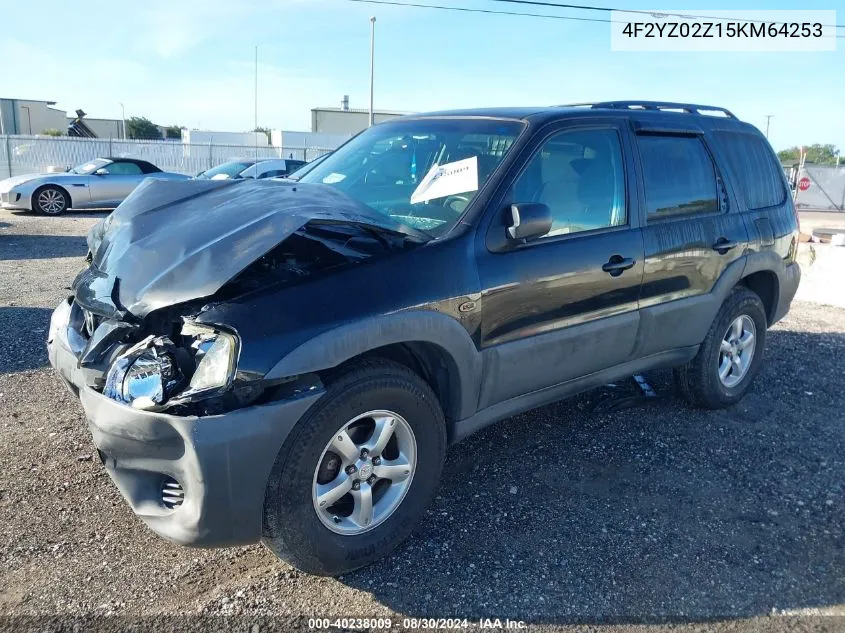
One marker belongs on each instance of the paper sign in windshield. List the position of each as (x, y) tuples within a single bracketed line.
[(448, 180)]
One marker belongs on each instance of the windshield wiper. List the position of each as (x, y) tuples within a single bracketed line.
[(404, 230)]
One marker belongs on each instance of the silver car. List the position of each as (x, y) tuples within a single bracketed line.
[(102, 183), (250, 168)]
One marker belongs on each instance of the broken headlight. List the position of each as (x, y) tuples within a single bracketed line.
[(156, 371), (214, 353), (145, 375)]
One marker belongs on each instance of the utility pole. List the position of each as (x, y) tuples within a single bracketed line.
[(123, 119), (372, 65), (255, 127), (768, 118)]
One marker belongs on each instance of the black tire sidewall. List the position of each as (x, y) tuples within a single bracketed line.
[(37, 205), (298, 535), (741, 303)]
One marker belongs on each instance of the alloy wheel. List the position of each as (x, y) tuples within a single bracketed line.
[(737, 351), (51, 201), (364, 472)]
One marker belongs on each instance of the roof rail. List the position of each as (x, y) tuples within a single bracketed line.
[(655, 106)]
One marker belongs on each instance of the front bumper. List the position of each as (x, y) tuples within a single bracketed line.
[(14, 200), (222, 461)]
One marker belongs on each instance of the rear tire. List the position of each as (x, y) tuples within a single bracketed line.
[(721, 373), (296, 529), (50, 200)]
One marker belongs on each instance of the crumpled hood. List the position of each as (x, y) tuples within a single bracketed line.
[(174, 241)]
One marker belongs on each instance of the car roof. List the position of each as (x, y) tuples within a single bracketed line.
[(146, 166), (668, 115), (520, 113)]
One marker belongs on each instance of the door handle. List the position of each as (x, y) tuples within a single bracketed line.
[(617, 264), (723, 245)]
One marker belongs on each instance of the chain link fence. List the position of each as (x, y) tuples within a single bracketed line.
[(29, 154), (820, 187)]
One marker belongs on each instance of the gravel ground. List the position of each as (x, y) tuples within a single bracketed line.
[(605, 508)]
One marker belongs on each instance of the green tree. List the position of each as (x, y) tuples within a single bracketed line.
[(266, 131), (142, 127), (173, 131), (52, 132), (820, 154)]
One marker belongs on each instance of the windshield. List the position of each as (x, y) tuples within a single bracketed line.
[(226, 170), (423, 172), (90, 167)]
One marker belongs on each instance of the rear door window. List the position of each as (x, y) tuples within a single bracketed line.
[(679, 176), (754, 169), (273, 173)]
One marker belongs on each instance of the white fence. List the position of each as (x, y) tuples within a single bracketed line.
[(820, 187), (28, 154)]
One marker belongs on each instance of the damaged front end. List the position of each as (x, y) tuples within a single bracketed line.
[(164, 362), (193, 371), (132, 324)]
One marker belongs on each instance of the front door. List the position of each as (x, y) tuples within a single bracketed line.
[(113, 183), (566, 304)]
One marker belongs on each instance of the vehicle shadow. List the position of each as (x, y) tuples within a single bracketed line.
[(42, 246), (658, 512), (70, 213), (23, 336)]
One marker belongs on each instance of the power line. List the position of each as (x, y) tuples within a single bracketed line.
[(559, 5), (489, 11), (418, 5)]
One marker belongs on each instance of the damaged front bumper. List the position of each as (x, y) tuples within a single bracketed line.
[(195, 480)]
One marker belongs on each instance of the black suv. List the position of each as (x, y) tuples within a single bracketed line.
[(287, 362)]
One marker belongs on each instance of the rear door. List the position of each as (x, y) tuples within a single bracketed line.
[(762, 196), (564, 305), (692, 233)]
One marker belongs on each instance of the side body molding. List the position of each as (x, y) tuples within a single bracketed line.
[(332, 348)]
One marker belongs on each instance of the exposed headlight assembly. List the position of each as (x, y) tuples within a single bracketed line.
[(145, 375), (215, 356), (156, 372)]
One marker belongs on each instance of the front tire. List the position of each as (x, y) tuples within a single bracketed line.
[(357, 472), (730, 356), (51, 200)]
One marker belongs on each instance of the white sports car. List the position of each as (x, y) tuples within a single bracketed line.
[(102, 183)]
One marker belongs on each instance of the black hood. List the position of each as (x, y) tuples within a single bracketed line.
[(175, 241)]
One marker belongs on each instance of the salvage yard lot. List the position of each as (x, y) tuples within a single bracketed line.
[(603, 507)]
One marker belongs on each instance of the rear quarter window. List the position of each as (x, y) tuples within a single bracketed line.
[(756, 174)]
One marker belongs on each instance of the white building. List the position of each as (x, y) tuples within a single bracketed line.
[(295, 144), (206, 137)]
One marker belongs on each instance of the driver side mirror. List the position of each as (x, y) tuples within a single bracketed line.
[(102, 171), (529, 220)]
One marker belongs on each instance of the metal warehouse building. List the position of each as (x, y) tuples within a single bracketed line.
[(345, 120), (34, 116)]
